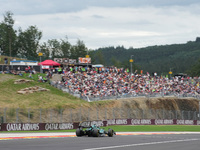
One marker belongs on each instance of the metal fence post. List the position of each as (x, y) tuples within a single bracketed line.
[(113, 113), (188, 115), (163, 113), (17, 117), (88, 114), (40, 115), (4, 119), (120, 112), (97, 113), (29, 115), (70, 115), (194, 115), (142, 114), (80, 116), (50, 115), (170, 112), (105, 114), (156, 114), (182, 115), (61, 115)]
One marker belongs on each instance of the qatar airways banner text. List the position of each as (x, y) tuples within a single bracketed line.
[(46, 126), (37, 126), (152, 122), (68, 126)]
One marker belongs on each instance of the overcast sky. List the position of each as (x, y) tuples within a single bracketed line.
[(103, 23)]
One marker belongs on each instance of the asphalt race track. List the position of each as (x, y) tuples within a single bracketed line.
[(122, 141)]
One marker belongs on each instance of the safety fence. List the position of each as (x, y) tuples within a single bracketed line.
[(19, 115)]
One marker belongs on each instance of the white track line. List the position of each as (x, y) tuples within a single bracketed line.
[(141, 144)]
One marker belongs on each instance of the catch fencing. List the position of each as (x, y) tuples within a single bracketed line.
[(18, 115)]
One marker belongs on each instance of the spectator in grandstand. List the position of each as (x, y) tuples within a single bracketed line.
[(118, 82)]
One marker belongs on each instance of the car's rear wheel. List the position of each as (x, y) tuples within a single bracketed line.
[(110, 132), (95, 133), (79, 132)]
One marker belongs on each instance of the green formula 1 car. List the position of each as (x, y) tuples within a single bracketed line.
[(93, 131)]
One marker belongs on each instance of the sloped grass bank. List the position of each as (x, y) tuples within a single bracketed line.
[(53, 99)]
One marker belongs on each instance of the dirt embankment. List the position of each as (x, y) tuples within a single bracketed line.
[(141, 108), (171, 103)]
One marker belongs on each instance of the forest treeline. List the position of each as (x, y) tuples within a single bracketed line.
[(177, 58)]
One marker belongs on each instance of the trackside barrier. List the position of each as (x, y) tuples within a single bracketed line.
[(63, 115), (68, 126)]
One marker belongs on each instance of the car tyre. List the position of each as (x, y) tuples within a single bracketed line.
[(110, 132), (79, 132), (95, 133)]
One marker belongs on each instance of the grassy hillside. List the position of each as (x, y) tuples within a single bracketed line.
[(48, 99)]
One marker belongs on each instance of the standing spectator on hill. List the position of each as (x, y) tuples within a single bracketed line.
[(30, 75), (59, 70), (26, 70), (29, 69), (40, 78)]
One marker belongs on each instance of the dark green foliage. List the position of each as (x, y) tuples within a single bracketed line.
[(160, 59), (195, 70)]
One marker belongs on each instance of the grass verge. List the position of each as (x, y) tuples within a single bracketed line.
[(140, 128)]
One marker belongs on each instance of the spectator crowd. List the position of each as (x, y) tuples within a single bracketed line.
[(104, 82), (111, 81)]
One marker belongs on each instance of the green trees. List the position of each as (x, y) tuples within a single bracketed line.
[(18, 43), (195, 70), (63, 49), (179, 57), (26, 43), (78, 50), (7, 35)]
